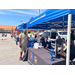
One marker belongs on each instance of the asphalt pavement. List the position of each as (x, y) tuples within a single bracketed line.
[(10, 52)]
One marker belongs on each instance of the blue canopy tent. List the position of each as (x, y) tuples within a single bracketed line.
[(57, 19), (24, 26), (21, 27), (52, 18)]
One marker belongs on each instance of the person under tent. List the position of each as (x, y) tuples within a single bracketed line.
[(45, 43), (72, 51), (59, 43)]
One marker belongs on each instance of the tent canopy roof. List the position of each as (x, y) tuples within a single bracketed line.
[(52, 18), (24, 26)]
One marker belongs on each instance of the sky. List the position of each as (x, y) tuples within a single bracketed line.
[(13, 16)]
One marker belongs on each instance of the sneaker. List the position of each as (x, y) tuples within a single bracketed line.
[(20, 58)]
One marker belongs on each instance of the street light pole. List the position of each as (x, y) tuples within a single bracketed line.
[(21, 21)]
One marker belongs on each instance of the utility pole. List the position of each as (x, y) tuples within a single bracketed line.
[(12, 31), (39, 11)]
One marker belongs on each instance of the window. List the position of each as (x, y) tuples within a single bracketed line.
[(63, 33)]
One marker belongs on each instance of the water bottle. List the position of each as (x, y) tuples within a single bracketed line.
[(51, 55)]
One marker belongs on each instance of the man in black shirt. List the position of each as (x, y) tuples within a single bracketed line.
[(72, 51), (45, 43)]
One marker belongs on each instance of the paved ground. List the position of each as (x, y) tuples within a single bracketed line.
[(9, 52)]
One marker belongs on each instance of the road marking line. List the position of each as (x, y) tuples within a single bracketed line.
[(9, 57)]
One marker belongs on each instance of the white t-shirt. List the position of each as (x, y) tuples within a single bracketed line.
[(23, 39)]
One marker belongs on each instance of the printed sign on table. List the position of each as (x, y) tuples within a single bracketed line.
[(31, 55), (35, 59)]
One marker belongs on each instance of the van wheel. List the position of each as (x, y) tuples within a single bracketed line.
[(63, 40)]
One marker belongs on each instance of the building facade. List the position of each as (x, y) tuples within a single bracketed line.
[(6, 28)]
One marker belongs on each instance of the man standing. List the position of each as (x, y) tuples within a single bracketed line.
[(59, 43), (23, 38)]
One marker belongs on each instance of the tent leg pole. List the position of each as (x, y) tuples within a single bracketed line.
[(68, 39)]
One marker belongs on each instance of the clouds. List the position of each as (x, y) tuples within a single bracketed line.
[(4, 13), (19, 12), (11, 21), (23, 12)]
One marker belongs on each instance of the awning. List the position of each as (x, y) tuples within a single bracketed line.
[(24, 26), (21, 27), (52, 18)]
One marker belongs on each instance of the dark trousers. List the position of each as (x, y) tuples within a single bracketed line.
[(16, 43), (17, 40)]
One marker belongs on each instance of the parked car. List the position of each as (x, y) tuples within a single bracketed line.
[(55, 34), (62, 34)]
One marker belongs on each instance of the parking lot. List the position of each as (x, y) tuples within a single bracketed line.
[(9, 52)]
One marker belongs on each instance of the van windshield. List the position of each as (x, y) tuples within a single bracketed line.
[(63, 33)]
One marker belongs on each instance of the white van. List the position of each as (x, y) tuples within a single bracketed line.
[(55, 34), (62, 34)]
